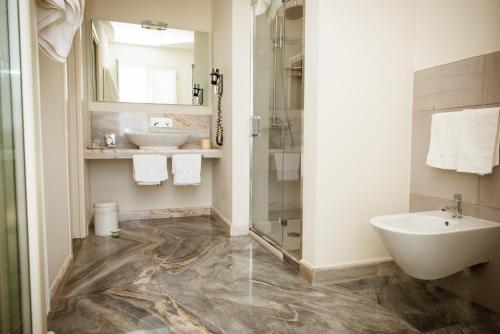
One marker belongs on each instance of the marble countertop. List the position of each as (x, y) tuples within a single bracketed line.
[(102, 153)]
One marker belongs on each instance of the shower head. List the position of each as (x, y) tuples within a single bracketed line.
[(295, 12)]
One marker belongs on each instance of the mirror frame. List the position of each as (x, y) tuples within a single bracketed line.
[(94, 105)]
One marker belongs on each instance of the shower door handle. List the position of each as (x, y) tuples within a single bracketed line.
[(256, 128)]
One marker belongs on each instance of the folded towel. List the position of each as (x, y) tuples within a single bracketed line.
[(287, 166), (478, 147), (150, 169), (443, 146), (58, 20), (186, 169)]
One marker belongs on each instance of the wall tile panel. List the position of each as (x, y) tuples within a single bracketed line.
[(455, 86), (448, 86), (489, 189), (120, 123), (491, 93)]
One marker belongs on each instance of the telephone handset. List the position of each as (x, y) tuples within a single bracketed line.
[(218, 82)]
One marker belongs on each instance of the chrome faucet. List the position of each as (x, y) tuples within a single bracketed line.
[(456, 208)]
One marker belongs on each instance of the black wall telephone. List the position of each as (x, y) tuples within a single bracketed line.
[(218, 82)]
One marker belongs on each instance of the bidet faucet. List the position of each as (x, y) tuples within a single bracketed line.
[(456, 208)]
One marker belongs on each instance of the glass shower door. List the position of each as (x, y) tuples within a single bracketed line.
[(266, 193), (14, 276), (277, 126)]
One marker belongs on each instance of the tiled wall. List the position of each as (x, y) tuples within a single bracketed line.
[(470, 83), (121, 122)]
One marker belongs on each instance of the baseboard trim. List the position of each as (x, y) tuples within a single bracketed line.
[(221, 220), (61, 276), (164, 213), (237, 231), (348, 271), (232, 231)]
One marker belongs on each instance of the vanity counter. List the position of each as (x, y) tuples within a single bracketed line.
[(107, 154)]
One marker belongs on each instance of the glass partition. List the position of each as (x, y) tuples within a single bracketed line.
[(14, 276), (278, 61)]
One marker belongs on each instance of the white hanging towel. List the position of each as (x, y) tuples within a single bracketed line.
[(443, 145), (287, 166), (49, 11), (150, 169), (479, 144), (58, 20), (186, 169)]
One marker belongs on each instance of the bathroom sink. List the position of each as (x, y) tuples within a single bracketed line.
[(158, 141), (432, 245)]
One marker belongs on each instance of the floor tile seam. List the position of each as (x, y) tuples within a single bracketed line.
[(302, 294), (104, 291), (136, 270), (374, 303), (156, 265), (208, 249), (115, 255), (334, 317), (197, 232), (99, 271), (166, 297)]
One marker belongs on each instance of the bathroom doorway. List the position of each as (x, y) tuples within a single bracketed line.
[(278, 94)]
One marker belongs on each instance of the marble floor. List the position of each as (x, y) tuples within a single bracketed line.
[(185, 275)]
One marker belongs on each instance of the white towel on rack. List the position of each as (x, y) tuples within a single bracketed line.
[(186, 169), (287, 166), (443, 145), (150, 169), (58, 20), (479, 144)]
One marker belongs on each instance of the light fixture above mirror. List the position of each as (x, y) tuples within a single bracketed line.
[(154, 25)]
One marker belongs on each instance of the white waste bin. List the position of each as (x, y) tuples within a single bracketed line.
[(106, 219)]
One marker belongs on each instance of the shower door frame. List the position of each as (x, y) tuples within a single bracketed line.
[(287, 257), (14, 163)]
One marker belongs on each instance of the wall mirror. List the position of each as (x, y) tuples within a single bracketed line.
[(149, 63)]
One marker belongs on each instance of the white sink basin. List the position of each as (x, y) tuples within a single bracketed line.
[(157, 141)]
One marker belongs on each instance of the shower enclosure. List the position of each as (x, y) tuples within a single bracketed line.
[(278, 68)]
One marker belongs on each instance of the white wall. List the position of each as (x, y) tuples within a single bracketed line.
[(231, 50), (185, 14), (75, 138), (113, 180), (359, 75), (222, 58), (33, 165), (242, 101), (451, 30), (54, 95)]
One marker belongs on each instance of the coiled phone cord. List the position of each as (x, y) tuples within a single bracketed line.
[(219, 133)]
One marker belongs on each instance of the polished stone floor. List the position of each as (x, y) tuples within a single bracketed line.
[(185, 276)]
